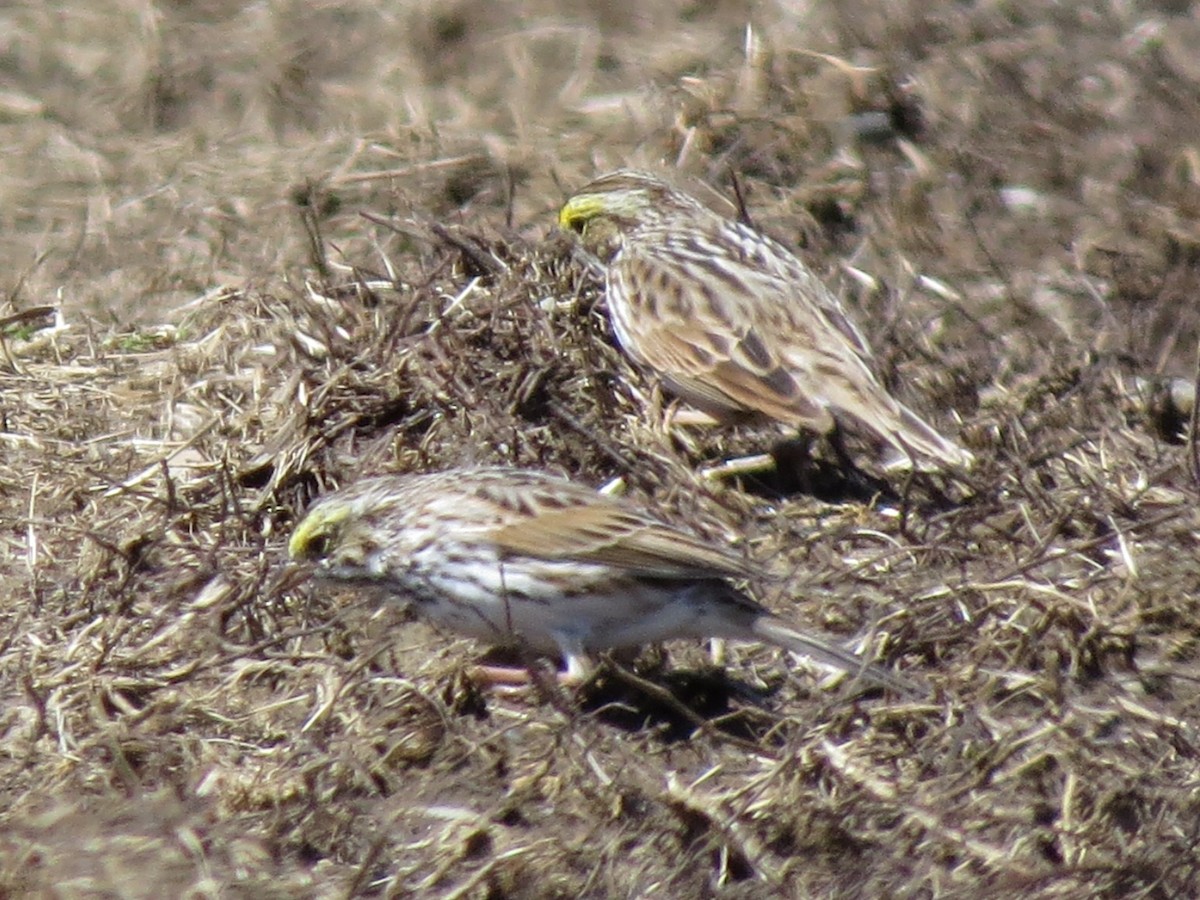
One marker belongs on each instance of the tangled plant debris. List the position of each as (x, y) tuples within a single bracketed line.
[(195, 348)]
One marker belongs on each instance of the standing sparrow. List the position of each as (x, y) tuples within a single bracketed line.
[(731, 320), (523, 559)]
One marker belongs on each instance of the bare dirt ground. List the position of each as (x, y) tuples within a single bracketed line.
[(254, 251)]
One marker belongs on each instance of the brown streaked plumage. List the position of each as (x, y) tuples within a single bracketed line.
[(520, 558), (731, 320)]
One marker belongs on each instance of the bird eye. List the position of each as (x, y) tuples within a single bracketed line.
[(577, 225), (317, 546)]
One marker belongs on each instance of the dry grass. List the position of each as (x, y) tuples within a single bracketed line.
[(288, 244)]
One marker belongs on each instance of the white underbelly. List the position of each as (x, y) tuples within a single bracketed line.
[(506, 606)]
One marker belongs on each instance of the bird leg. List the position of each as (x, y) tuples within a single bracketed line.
[(741, 465), (687, 417), (796, 452), (579, 668)]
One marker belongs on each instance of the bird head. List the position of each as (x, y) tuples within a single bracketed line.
[(335, 537), (608, 209)]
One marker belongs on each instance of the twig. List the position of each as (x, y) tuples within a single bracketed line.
[(483, 260), (1193, 420), (743, 212)]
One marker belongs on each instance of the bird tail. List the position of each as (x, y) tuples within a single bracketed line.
[(918, 441), (774, 631)]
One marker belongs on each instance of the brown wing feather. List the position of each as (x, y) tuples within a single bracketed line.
[(756, 339), (729, 354), (730, 390), (724, 383), (774, 259), (604, 531)]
